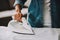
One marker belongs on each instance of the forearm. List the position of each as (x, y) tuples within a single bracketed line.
[(18, 8)]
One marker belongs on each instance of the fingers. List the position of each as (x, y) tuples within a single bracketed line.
[(18, 17)]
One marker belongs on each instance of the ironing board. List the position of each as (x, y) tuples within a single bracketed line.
[(40, 34)]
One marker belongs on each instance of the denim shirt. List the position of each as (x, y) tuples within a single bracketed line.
[(35, 10)]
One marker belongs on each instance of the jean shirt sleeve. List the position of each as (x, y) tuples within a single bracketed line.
[(21, 2)]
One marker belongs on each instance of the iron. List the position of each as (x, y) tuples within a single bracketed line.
[(21, 27)]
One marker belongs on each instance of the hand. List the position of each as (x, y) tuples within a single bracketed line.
[(18, 15)]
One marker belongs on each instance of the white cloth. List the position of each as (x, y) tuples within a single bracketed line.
[(40, 34)]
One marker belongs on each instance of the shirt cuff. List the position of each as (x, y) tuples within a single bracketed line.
[(18, 2)]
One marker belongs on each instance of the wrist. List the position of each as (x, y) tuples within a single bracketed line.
[(18, 8)]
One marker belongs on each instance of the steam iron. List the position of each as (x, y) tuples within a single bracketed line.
[(21, 28)]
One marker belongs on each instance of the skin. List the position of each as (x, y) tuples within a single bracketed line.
[(18, 15)]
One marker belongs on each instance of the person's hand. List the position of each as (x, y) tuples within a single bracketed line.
[(18, 15)]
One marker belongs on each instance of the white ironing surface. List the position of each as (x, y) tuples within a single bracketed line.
[(20, 28)]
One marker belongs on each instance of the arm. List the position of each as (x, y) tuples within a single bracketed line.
[(18, 6)]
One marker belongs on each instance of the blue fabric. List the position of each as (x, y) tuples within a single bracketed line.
[(35, 12), (55, 13)]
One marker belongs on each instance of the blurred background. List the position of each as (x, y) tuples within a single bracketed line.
[(8, 4)]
